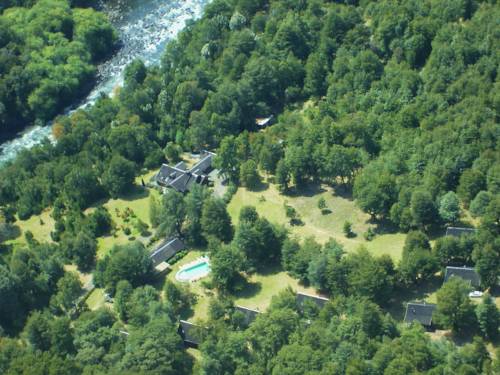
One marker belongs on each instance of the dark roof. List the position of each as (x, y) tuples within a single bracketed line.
[(319, 301), (189, 333), (459, 231), (420, 312), (204, 165), (166, 250), (249, 314), (181, 165), (466, 273), (181, 179), (167, 174)]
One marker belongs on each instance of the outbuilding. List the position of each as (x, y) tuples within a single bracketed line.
[(468, 274), (419, 312)]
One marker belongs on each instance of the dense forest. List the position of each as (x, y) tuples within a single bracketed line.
[(394, 101), (48, 50)]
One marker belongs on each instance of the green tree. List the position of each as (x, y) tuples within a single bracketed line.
[(173, 213), (322, 203), (124, 262), (480, 203), (449, 207), (215, 220), (69, 288), (374, 191), (249, 174), (156, 348), (119, 176), (226, 265), (179, 296), (83, 251), (471, 183), (122, 296), (488, 317), (347, 229), (282, 176), (454, 308), (487, 263), (423, 209)]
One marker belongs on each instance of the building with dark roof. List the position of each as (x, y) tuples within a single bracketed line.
[(468, 274), (181, 179), (249, 314), (419, 312), (459, 231), (303, 298), (165, 251), (190, 333)]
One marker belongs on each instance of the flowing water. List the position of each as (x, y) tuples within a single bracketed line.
[(144, 27)]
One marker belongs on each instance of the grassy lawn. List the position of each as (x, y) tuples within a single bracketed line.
[(200, 310), (40, 225), (257, 294), (263, 286), (138, 202), (269, 203), (96, 299)]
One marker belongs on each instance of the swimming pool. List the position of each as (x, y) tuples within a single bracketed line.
[(194, 271)]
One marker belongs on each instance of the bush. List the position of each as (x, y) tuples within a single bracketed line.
[(347, 229), (369, 234)]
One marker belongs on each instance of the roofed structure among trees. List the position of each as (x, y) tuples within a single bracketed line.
[(468, 274), (308, 298), (249, 314), (181, 179), (165, 251), (459, 231), (189, 333), (420, 312)]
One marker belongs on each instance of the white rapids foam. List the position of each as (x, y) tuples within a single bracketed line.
[(144, 27)]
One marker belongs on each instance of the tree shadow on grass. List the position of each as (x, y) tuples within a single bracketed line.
[(397, 304), (136, 192), (383, 226), (262, 186), (309, 190), (343, 191), (248, 289)]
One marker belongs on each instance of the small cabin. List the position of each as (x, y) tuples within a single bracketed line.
[(304, 298), (164, 252), (460, 231), (419, 312), (249, 314), (190, 333), (468, 274)]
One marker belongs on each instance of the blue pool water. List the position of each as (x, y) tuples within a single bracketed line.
[(194, 272)]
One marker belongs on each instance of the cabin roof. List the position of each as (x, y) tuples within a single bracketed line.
[(250, 314), (420, 312), (466, 273), (188, 332), (303, 297), (180, 178), (166, 250), (459, 231)]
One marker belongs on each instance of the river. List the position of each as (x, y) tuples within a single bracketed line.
[(144, 27)]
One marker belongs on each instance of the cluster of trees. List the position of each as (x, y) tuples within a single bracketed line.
[(402, 102), (98, 342), (348, 336), (197, 217), (49, 52)]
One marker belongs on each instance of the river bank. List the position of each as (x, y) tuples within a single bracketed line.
[(144, 28)]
